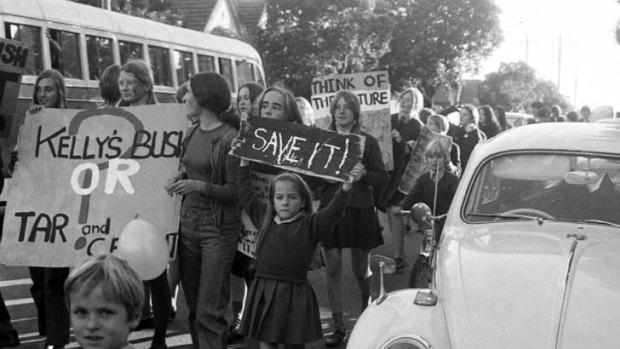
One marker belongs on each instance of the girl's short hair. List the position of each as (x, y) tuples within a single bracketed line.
[(352, 101), (255, 91), (438, 148), (211, 91), (418, 99), (181, 91), (290, 106), (473, 111), (108, 84), (304, 192), (59, 81), (142, 72), (118, 281)]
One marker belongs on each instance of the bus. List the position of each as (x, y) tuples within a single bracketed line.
[(80, 41)]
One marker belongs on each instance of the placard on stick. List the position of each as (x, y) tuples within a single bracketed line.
[(416, 165), (373, 92), (82, 175), (299, 148)]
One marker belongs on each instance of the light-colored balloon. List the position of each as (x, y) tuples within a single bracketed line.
[(144, 248)]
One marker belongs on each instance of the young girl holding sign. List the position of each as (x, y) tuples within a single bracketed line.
[(281, 306)]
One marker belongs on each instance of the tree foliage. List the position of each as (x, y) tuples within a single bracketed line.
[(516, 85), (157, 10), (307, 38), (436, 41)]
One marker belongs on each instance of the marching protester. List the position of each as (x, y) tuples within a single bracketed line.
[(47, 283), (281, 307), (439, 124), (136, 86), (406, 126), (104, 296), (359, 229), (470, 134), (241, 277), (209, 212)]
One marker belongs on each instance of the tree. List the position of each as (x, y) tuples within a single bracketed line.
[(435, 41), (157, 10), (516, 85), (307, 38)]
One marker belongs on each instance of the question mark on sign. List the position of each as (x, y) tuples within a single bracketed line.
[(74, 127)]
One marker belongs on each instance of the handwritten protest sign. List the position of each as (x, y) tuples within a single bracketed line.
[(373, 91), (81, 176), (247, 238), (415, 166), (299, 148), (13, 57)]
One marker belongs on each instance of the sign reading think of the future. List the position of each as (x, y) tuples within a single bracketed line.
[(81, 176), (373, 91), (299, 148)]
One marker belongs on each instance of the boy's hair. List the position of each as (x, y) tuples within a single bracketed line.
[(59, 81), (290, 106), (304, 192), (437, 148), (211, 91), (142, 72), (118, 281)]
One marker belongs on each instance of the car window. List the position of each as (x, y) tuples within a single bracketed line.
[(561, 186)]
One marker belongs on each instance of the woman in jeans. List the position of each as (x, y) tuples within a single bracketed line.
[(210, 212)]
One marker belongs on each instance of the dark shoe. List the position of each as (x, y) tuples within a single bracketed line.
[(400, 263), (336, 338), (148, 322), (9, 339), (233, 331)]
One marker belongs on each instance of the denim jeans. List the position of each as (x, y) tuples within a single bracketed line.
[(205, 257)]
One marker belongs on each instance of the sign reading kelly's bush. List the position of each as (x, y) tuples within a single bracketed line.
[(81, 176), (299, 148)]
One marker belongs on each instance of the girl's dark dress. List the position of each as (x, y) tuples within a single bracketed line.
[(281, 306)]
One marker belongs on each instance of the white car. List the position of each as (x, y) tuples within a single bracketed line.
[(529, 256)]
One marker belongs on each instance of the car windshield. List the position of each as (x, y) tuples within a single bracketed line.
[(550, 186)]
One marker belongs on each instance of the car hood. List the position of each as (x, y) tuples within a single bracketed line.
[(510, 286)]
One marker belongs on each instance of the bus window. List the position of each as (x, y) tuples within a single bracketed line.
[(259, 76), (99, 51), (206, 63), (244, 72), (130, 51), (65, 53), (226, 71), (160, 64), (184, 65), (31, 35)]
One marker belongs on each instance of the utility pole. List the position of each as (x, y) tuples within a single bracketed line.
[(527, 48), (559, 59)]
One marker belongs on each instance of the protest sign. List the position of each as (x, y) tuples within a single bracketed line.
[(373, 91), (81, 176), (247, 238), (299, 148), (13, 57), (416, 166)]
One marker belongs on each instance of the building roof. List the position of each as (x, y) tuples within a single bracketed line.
[(250, 12), (197, 12)]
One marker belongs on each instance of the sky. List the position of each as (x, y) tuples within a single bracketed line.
[(572, 41)]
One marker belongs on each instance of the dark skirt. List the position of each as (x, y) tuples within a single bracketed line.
[(281, 312), (359, 228)]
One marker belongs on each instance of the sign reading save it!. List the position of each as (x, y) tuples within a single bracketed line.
[(295, 147)]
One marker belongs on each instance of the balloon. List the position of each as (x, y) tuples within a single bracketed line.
[(144, 248), (421, 213)]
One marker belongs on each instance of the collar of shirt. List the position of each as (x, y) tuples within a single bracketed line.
[(278, 220)]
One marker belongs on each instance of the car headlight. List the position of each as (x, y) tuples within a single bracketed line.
[(407, 343)]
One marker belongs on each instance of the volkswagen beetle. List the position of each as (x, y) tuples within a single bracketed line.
[(529, 256)]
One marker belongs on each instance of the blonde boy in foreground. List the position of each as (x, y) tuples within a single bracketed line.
[(104, 295)]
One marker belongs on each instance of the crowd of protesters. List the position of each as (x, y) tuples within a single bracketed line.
[(280, 306)]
